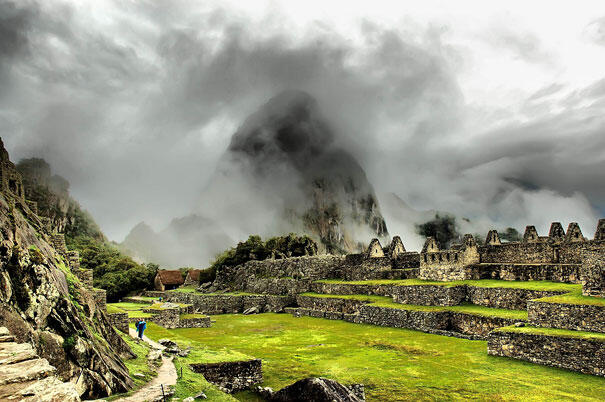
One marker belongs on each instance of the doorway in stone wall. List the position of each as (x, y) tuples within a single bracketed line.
[(556, 253)]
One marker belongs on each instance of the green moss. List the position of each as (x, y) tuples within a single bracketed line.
[(483, 283), (566, 333), (574, 297), (112, 309), (394, 364)]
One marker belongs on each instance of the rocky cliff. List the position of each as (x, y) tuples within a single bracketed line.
[(51, 194), (43, 303)]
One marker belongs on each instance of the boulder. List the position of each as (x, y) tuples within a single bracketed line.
[(317, 390)]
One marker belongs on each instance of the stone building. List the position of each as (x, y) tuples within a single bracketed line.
[(168, 279), (193, 277)]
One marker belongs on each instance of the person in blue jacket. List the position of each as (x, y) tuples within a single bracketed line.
[(141, 325)]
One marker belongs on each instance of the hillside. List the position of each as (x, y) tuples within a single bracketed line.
[(43, 303)]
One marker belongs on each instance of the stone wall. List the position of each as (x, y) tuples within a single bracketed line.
[(195, 322), (568, 273), (85, 276), (100, 296), (310, 267), (593, 272), (507, 298), (577, 354), (582, 317), (120, 321), (439, 322), (348, 306), (230, 304), (430, 295), (231, 377), (167, 318), (350, 289)]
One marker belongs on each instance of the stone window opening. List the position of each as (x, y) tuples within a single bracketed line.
[(455, 257), (12, 185)]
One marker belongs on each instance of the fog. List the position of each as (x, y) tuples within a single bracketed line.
[(492, 114)]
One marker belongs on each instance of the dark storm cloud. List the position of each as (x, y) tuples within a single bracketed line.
[(134, 102)]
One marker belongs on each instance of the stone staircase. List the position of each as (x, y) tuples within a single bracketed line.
[(24, 376)]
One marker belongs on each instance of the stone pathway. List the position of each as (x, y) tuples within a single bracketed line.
[(167, 376), (24, 376)]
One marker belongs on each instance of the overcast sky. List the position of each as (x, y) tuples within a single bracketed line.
[(492, 113)]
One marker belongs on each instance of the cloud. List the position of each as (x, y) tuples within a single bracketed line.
[(135, 103)]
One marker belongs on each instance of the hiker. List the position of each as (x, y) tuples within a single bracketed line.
[(141, 325), (160, 299)]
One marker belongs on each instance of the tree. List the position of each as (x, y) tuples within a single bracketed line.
[(441, 228), (510, 234)]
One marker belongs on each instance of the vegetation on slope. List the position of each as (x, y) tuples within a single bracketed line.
[(442, 228)]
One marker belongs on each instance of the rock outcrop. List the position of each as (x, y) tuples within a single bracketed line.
[(317, 390), (44, 304)]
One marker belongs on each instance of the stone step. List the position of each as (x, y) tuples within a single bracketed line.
[(7, 338), (49, 389), (27, 370), (11, 352)]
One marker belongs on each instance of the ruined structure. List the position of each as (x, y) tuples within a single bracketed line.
[(168, 279), (441, 291)]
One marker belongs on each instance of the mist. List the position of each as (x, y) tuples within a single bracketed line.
[(498, 121)]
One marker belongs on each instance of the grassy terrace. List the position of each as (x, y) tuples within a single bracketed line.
[(574, 297), (134, 310), (187, 316), (554, 332), (484, 283), (394, 364), (383, 301)]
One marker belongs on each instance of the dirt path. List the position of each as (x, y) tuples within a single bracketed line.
[(166, 376)]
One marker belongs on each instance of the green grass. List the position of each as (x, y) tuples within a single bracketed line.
[(394, 364), (185, 289), (484, 283), (112, 309), (383, 301), (145, 298), (574, 297), (124, 306), (189, 289), (554, 332), (139, 314)]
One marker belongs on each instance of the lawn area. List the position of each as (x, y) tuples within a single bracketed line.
[(383, 301), (574, 297), (394, 364), (483, 283), (134, 310)]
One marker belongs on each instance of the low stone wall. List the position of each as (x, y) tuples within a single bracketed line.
[(430, 295), (230, 304), (195, 322), (347, 306), (120, 321), (276, 286), (155, 293), (408, 273), (507, 298), (568, 273), (349, 289), (582, 317), (85, 276), (462, 325), (231, 377), (100, 296), (167, 318), (135, 300), (577, 354)]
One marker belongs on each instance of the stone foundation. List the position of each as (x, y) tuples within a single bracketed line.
[(120, 321), (577, 354), (461, 325), (430, 295), (230, 304), (196, 322), (581, 317), (568, 273), (507, 298), (347, 306), (448, 323), (231, 377), (100, 296), (85, 276)]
